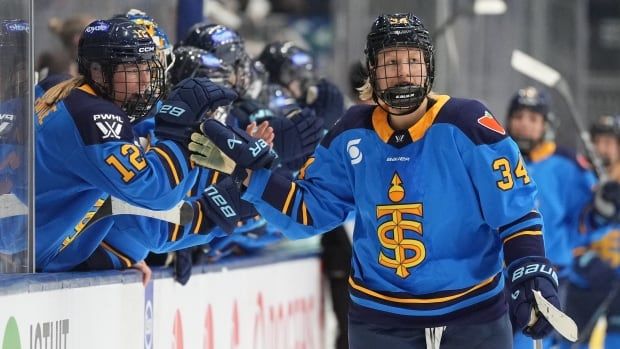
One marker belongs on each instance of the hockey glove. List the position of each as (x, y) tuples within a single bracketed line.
[(524, 275), (186, 106), (222, 148), (296, 137), (598, 273), (222, 205), (328, 103), (183, 265), (607, 203)]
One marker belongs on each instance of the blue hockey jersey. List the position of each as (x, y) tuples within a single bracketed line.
[(564, 190), (434, 204), (85, 148), (605, 241)]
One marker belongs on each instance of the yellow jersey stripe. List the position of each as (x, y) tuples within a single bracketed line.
[(289, 197), (526, 232), (123, 258), (170, 163)]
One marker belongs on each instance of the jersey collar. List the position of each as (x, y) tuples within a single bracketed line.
[(86, 88), (542, 151), (384, 130)]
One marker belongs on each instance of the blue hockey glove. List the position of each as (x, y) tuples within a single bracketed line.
[(296, 137), (183, 265), (246, 152), (607, 203), (247, 111), (329, 104), (598, 273), (524, 275), (222, 205), (185, 108)]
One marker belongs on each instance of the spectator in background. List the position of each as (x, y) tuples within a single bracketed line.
[(63, 61)]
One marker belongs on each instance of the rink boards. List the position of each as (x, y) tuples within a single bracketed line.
[(260, 302)]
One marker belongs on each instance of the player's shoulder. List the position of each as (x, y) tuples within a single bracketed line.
[(356, 117), (573, 157), (96, 119), (473, 119)]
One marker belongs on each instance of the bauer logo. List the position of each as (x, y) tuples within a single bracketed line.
[(354, 152)]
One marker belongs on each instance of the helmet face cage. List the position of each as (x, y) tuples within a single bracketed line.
[(299, 66), (127, 70), (400, 61)]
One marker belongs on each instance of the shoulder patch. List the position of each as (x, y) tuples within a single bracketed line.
[(358, 116), (97, 120), (473, 119), (488, 121)]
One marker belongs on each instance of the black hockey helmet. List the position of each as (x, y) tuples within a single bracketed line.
[(14, 35), (119, 45), (394, 31), (606, 125), (286, 62), (196, 62), (226, 44), (531, 98)]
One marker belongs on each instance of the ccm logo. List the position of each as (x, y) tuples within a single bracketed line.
[(219, 200), (146, 49), (534, 268)]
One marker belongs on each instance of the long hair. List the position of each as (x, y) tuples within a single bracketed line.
[(55, 94)]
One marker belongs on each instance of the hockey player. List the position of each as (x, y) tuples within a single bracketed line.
[(594, 273), (438, 190), (97, 154), (553, 168), (294, 68)]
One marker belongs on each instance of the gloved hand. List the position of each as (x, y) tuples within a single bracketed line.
[(186, 106), (607, 202), (222, 205), (328, 103), (183, 265), (218, 146), (296, 137), (599, 274), (524, 275)]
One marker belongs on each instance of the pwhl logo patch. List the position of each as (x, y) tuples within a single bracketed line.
[(489, 122), (110, 129)]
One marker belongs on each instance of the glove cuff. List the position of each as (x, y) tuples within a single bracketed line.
[(528, 268)]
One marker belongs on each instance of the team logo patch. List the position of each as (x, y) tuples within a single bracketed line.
[(354, 151), (489, 122)]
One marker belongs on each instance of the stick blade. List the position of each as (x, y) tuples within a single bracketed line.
[(534, 69), (560, 321)]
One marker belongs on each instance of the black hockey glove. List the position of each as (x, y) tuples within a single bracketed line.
[(524, 275), (186, 106), (229, 150), (296, 137), (329, 102)]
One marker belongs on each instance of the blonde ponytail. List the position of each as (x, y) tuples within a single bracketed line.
[(55, 94)]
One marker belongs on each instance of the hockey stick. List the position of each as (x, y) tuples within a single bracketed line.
[(561, 322), (181, 214), (542, 73), (11, 206)]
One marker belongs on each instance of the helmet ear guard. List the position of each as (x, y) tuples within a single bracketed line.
[(399, 32)]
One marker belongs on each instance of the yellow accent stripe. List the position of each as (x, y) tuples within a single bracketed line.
[(526, 232), (199, 219), (419, 300), (126, 260), (542, 151), (289, 197), (170, 163), (87, 89), (304, 213), (175, 233), (216, 175)]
